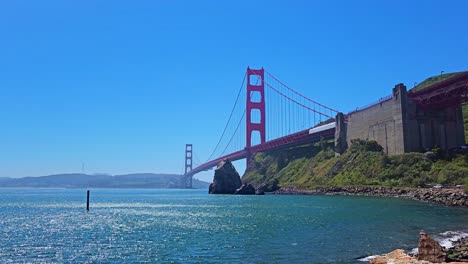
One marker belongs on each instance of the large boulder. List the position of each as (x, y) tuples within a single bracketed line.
[(246, 189), (429, 249), (226, 179)]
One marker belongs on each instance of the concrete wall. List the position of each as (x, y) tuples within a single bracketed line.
[(399, 126), (383, 122), (428, 128)]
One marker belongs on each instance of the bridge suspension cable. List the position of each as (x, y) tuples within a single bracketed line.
[(288, 114), (196, 161), (237, 140), (230, 117), (296, 102), (287, 111), (299, 94), (239, 125), (235, 132)]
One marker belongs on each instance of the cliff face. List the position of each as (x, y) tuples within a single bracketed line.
[(303, 167), (290, 167), (363, 163)]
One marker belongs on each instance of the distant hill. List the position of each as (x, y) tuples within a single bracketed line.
[(78, 180)]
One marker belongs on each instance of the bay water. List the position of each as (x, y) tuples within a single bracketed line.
[(190, 226)]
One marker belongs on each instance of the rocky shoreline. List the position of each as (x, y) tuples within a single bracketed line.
[(441, 196), (429, 251), (459, 251)]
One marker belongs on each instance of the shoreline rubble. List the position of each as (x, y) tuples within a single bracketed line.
[(429, 251), (440, 196)]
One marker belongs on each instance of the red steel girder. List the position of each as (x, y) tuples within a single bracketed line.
[(287, 141), (450, 92)]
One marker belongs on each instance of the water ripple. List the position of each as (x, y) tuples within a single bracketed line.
[(193, 227)]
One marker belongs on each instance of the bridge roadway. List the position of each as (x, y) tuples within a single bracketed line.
[(450, 92), (282, 142)]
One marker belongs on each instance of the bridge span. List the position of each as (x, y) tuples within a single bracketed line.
[(402, 122), (295, 139)]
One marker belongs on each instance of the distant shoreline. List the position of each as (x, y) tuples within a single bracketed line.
[(440, 196), (125, 181), (123, 188)]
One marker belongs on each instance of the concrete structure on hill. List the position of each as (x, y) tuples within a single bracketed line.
[(408, 122)]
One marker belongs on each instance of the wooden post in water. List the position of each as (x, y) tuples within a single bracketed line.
[(87, 201)]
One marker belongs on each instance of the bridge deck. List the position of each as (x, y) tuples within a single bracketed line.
[(452, 91), (287, 141)]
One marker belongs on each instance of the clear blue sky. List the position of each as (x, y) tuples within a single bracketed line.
[(123, 85)]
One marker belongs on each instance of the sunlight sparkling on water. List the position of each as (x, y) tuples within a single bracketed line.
[(191, 226)]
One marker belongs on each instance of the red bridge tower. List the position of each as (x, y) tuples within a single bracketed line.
[(255, 102), (188, 165)]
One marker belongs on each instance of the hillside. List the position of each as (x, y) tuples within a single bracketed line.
[(363, 164), (78, 180)]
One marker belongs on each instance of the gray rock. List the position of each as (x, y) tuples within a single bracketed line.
[(259, 192), (226, 179), (246, 189)]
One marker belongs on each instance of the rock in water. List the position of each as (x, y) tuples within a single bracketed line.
[(259, 192), (429, 249), (226, 179), (246, 189)]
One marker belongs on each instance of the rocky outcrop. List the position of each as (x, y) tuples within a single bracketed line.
[(246, 189), (459, 251), (429, 249), (259, 192), (429, 252), (398, 256), (443, 196), (226, 179)]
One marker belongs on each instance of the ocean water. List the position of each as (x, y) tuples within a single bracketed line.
[(190, 226)]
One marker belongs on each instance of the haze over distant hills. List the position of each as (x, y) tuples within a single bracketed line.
[(79, 180)]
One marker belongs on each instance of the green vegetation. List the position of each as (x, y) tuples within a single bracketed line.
[(433, 80), (363, 164)]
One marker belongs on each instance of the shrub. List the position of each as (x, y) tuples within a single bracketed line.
[(365, 145), (437, 151)]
